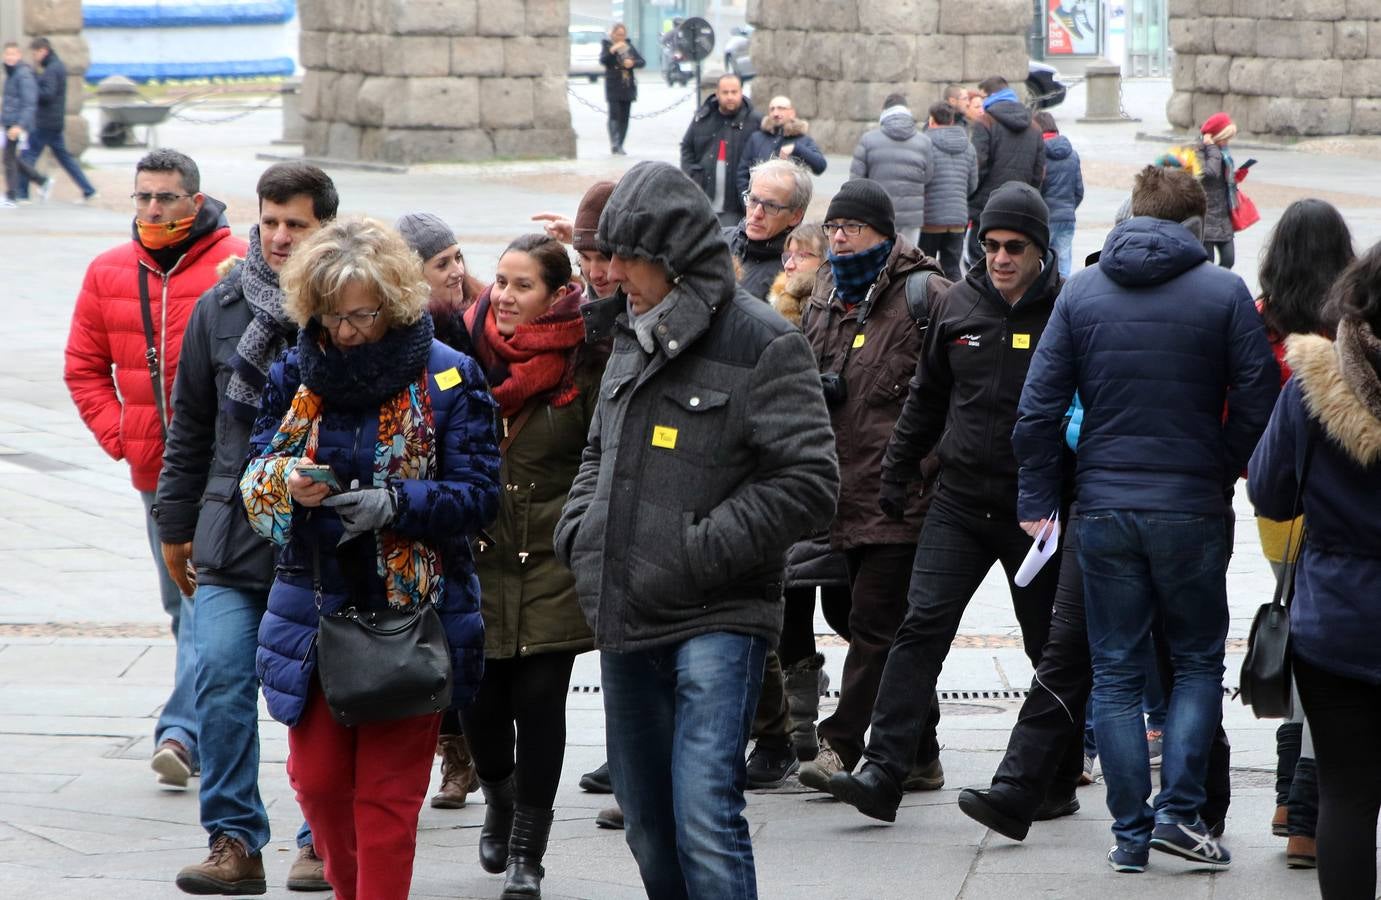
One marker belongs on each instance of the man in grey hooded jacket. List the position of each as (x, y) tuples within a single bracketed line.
[(709, 454), (901, 159)]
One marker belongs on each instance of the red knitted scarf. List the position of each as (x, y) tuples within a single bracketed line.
[(538, 358)]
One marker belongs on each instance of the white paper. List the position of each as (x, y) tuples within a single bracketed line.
[(1044, 547)]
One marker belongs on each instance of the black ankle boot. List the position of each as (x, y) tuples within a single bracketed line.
[(498, 824), (527, 846)]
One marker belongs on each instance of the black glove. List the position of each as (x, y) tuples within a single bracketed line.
[(892, 499)]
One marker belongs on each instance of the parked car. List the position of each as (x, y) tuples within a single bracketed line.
[(738, 52), (1043, 86), (585, 41)]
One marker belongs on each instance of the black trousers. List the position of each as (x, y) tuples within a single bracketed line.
[(798, 623), (619, 110), (1345, 718), (14, 164), (1045, 750), (957, 548), (1227, 252), (517, 723), (948, 248)]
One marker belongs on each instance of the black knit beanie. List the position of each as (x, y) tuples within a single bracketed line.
[(864, 200), (1016, 206)]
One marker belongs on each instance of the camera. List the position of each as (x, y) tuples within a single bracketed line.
[(835, 388)]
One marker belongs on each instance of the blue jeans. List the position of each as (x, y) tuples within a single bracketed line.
[(1135, 564), (55, 141), (1062, 242), (677, 720), (178, 721)]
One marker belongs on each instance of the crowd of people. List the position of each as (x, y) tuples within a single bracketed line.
[(721, 414)]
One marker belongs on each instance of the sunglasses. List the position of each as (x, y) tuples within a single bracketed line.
[(1013, 247)]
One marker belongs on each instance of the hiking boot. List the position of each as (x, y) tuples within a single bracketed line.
[(987, 809), (1123, 860), (173, 764), (610, 818), (1192, 842), (925, 776), (598, 781), (871, 792), (805, 683), (1155, 746), (818, 772), (770, 767), (498, 824), (1301, 852), (1056, 808), (308, 872), (458, 778), (228, 869), (526, 847)]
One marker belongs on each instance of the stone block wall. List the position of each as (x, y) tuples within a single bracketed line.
[(61, 22), (410, 81), (1288, 68), (838, 61)]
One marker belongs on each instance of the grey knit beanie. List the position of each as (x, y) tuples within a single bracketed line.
[(426, 234)]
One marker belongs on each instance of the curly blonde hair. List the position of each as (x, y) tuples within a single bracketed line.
[(360, 250)]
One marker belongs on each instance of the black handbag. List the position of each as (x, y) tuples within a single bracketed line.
[(1265, 682), (376, 665)]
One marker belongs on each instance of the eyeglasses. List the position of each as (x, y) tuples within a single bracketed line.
[(772, 209), (144, 198), (852, 229), (798, 255), (1013, 247), (358, 320)]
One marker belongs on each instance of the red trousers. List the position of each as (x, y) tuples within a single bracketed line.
[(361, 790)]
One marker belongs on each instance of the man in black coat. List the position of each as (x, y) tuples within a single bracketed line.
[(1009, 148), (52, 110), (778, 194), (713, 145)]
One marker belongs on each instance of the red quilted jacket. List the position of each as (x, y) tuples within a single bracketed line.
[(108, 333)]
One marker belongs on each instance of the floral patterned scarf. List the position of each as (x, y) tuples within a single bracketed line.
[(406, 448)]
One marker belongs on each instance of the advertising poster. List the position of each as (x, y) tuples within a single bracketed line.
[(1073, 27)]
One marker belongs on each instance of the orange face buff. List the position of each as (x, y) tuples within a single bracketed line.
[(157, 235)]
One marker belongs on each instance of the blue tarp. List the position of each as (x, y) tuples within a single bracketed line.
[(187, 15), (232, 68)]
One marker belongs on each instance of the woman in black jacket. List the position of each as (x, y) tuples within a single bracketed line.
[(619, 58)]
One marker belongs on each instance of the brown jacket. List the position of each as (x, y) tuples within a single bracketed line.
[(877, 371)]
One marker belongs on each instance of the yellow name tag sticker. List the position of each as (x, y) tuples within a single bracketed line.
[(858, 340), (448, 379), (664, 436), (1021, 341)]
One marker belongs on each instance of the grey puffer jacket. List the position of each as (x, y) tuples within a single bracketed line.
[(21, 98), (709, 456), (954, 177), (1220, 184), (901, 159)]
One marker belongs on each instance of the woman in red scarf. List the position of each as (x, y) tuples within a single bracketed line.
[(529, 337)]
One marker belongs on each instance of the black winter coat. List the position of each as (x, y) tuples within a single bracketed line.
[(766, 143), (1220, 184), (1009, 148), (198, 496), (700, 150), (52, 94), (620, 84), (757, 262)]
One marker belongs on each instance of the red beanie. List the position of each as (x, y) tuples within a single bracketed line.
[(1216, 123)]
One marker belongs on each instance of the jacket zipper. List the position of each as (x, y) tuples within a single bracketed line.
[(996, 395)]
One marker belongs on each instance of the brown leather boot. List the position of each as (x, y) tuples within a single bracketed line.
[(1301, 852), (1280, 822), (458, 778), (229, 869)]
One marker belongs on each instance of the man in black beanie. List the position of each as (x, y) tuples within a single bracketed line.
[(962, 405), (866, 340)]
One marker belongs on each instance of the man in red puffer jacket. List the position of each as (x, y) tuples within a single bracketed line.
[(126, 333)]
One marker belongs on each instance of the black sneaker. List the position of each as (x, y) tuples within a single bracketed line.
[(1192, 842), (597, 782), (1056, 808), (770, 767)]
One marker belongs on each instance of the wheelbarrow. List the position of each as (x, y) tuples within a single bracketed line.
[(123, 108)]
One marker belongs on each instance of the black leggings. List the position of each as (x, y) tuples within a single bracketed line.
[(1345, 718), (528, 692), (1227, 252), (798, 623)]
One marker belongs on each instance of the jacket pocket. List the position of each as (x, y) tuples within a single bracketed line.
[(891, 383), (694, 424), (220, 504)]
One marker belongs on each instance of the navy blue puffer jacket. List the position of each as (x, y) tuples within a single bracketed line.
[(1157, 343), (444, 512), (1063, 188)]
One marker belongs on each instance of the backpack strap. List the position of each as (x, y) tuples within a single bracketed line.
[(918, 297)]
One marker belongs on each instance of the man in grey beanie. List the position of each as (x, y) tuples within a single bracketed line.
[(710, 453)]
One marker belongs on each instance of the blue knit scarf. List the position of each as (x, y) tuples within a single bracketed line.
[(856, 272)]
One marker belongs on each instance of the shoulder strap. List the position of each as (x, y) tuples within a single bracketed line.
[(918, 297), (510, 431), (151, 351), (1285, 585)]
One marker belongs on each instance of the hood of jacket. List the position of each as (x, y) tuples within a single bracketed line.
[(791, 128), (1330, 379), (711, 108), (1143, 251), (1058, 147), (898, 123), (951, 139), (1012, 116)]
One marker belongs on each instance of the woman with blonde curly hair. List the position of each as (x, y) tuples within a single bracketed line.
[(373, 462)]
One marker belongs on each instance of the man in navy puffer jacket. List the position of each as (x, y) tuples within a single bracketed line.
[(1156, 342)]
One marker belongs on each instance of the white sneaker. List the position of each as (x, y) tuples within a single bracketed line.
[(46, 189), (8, 204)]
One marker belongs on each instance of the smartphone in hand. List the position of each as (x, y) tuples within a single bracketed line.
[(321, 474)]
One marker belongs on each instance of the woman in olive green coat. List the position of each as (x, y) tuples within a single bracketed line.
[(529, 337)]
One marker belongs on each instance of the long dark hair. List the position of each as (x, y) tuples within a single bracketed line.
[(1310, 246)]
